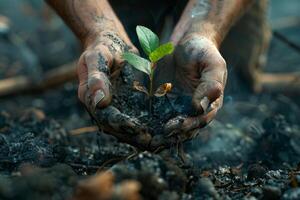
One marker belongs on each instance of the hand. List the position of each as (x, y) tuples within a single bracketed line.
[(100, 60), (201, 70), (98, 65)]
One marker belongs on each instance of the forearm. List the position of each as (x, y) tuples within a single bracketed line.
[(88, 18), (210, 18)]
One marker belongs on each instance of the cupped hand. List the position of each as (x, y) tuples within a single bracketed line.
[(100, 61), (200, 70), (98, 65)]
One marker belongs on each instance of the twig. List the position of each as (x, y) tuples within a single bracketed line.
[(92, 167), (51, 78), (110, 161), (83, 130), (287, 83)]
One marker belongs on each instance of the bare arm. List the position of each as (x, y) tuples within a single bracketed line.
[(199, 66), (210, 18), (88, 18), (104, 40)]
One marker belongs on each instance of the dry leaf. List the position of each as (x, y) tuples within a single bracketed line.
[(163, 90), (139, 87)]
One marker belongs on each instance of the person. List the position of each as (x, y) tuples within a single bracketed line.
[(202, 30)]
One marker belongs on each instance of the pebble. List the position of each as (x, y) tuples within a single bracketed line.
[(271, 192), (256, 171)]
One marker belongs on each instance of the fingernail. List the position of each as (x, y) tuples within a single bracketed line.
[(210, 107), (99, 95), (204, 103)]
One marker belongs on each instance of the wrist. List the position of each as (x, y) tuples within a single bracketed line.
[(206, 40), (206, 31), (95, 36), (89, 39), (96, 31)]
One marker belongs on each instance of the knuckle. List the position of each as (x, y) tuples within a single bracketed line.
[(98, 81), (89, 55), (93, 80), (223, 62), (218, 87)]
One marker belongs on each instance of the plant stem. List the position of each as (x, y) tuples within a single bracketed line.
[(151, 87)]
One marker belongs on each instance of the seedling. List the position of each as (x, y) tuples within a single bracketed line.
[(149, 42)]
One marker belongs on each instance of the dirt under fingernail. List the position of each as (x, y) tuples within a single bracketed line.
[(99, 96)]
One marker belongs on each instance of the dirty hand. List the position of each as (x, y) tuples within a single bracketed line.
[(200, 71), (98, 65)]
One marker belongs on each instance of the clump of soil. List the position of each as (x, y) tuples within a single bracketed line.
[(136, 104)]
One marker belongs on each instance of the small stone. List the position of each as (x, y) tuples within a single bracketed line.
[(256, 171), (257, 192), (271, 192)]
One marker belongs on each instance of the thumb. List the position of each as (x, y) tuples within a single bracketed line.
[(95, 87)]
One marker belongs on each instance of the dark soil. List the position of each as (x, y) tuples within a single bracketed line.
[(256, 158), (136, 104), (263, 166)]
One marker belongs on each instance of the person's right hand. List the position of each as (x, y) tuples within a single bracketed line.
[(102, 59)]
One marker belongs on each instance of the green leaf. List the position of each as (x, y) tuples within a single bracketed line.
[(138, 62), (148, 40), (161, 51)]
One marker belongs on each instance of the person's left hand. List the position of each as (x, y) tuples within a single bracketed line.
[(201, 71)]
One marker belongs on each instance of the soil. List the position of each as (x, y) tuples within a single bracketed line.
[(257, 158), (135, 103)]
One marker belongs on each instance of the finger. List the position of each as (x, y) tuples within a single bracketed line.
[(211, 85), (82, 73), (204, 119), (197, 122), (98, 86), (122, 126), (173, 127)]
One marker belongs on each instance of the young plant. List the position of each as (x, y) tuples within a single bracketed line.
[(149, 42)]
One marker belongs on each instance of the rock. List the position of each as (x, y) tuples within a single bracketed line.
[(271, 192), (256, 171), (154, 173), (257, 192)]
